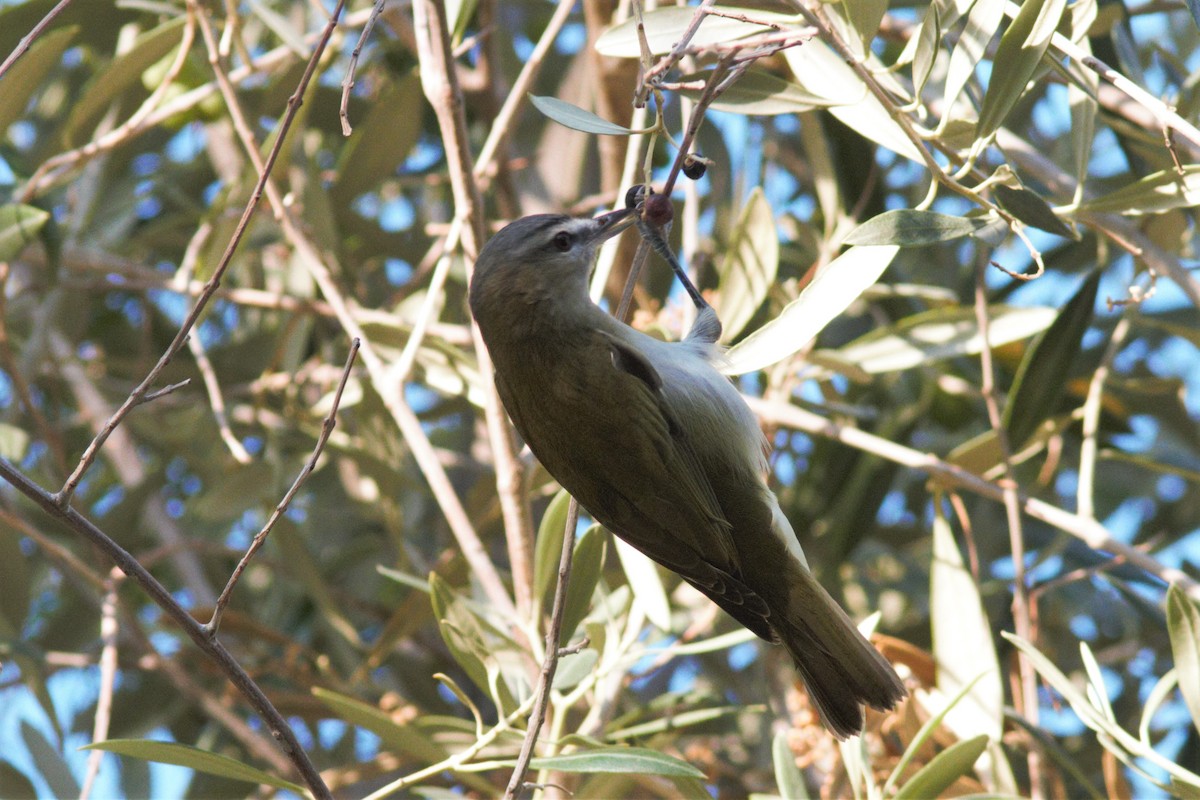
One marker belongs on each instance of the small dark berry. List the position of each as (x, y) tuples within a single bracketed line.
[(694, 167), (659, 210)]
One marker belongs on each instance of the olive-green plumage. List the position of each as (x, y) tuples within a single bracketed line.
[(659, 447)]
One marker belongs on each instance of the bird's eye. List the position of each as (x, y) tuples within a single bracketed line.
[(563, 241)]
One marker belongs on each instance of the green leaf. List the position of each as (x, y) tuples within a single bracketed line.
[(14, 589), (1161, 191), (395, 737), (574, 668), (585, 574), (943, 770), (1183, 625), (788, 778), (1040, 381), (936, 335), (547, 549), (864, 16), (26, 75), (747, 272), (907, 227), (51, 765), (194, 758), (983, 21), (123, 73), (929, 42), (834, 288), (636, 760), (1017, 57), (577, 118), (396, 116), (962, 638), (646, 583), (1031, 209), (666, 26), (19, 225), (760, 93), (460, 630)]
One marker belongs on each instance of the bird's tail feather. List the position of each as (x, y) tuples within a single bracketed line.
[(841, 669)]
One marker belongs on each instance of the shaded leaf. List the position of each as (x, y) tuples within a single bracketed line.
[(1040, 381), (26, 75), (747, 272), (194, 758), (646, 583), (1161, 191), (1017, 57), (14, 588), (14, 784), (51, 766), (396, 117), (834, 288), (396, 737), (547, 549), (19, 225), (666, 26), (908, 227), (585, 573), (637, 760), (929, 42), (1183, 624), (1030, 208), (577, 118), (943, 770)]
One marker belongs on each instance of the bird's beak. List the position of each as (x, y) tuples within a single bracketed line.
[(612, 223)]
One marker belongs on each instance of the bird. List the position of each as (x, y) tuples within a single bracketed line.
[(660, 448)]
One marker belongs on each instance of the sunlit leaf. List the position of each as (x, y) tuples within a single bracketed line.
[(1161, 191), (864, 16), (747, 272), (646, 583), (1183, 624), (788, 778), (666, 26), (194, 758), (908, 227), (637, 760), (834, 288), (577, 118), (939, 334), (760, 93), (943, 770), (394, 736), (1017, 57), (929, 42), (983, 21)]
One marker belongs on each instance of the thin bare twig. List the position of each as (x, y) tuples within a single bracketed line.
[(28, 39), (352, 67), (109, 626), (63, 497), (166, 601), (214, 624), (550, 659)]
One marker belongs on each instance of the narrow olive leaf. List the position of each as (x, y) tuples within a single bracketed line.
[(194, 758), (646, 583), (635, 760), (864, 16), (1030, 208), (1062, 684), (1017, 56), (939, 334), (788, 778), (1161, 191), (674, 722), (19, 225), (1041, 379), (929, 42), (26, 75), (574, 668), (834, 288), (822, 72), (124, 72), (585, 573), (1183, 625), (1097, 691), (48, 759), (576, 118), (547, 549), (908, 227), (943, 769), (666, 26), (396, 116), (395, 737), (962, 638), (1084, 108), (760, 93), (983, 21), (459, 630), (747, 271)]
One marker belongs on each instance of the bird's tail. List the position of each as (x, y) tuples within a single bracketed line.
[(840, 668)]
